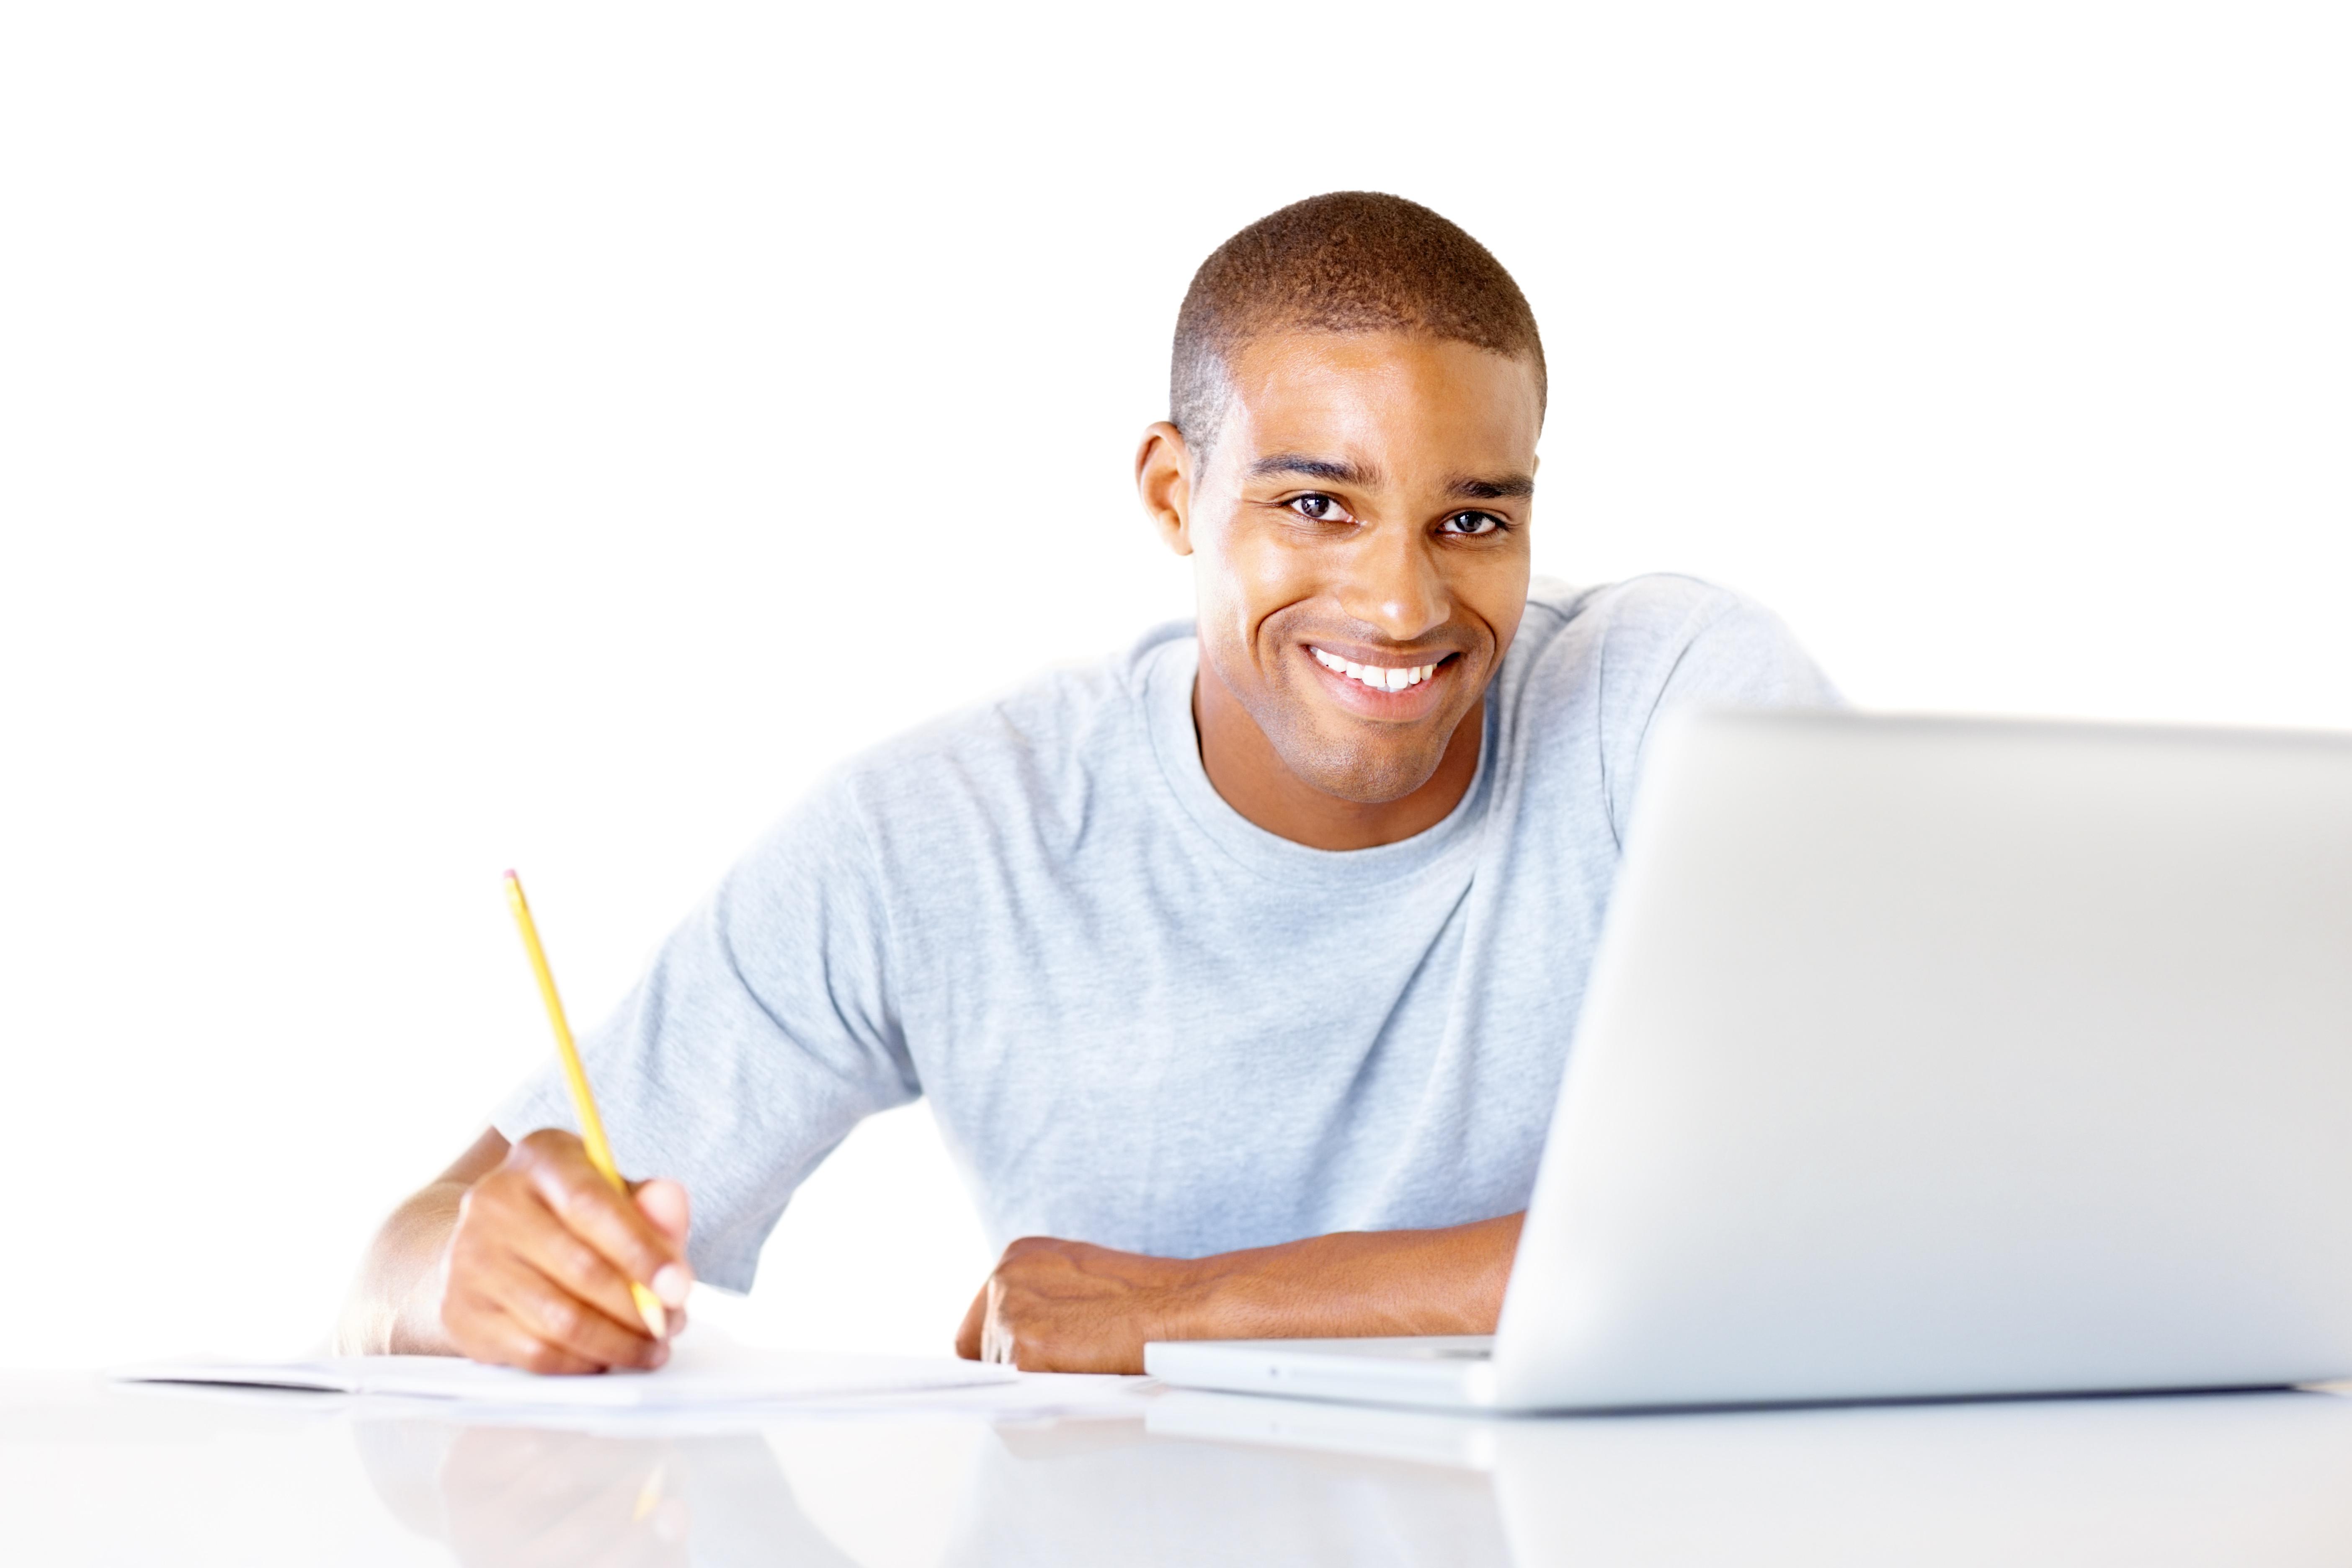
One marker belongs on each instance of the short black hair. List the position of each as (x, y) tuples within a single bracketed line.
[(1351, 262)]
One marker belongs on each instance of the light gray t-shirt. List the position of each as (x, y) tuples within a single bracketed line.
[(1142, 1020)]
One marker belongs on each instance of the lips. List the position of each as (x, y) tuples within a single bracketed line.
[(1401, 686), (1374, 677)]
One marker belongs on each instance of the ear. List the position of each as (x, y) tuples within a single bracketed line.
[(1163, 478)]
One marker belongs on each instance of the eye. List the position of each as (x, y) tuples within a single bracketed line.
[(1473, 525), (1321, 508)]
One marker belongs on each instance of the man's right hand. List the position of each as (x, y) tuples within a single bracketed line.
[(535, 1271)]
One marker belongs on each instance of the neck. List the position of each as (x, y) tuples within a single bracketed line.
[(1245, 768)]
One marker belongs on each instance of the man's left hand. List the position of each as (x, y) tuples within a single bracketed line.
[(1068, 1306)]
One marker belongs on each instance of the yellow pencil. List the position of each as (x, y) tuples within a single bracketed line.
[(592, 1126)]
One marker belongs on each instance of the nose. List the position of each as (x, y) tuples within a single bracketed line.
[(1393, 585)]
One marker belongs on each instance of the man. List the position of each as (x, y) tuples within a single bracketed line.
[(1241, 970)]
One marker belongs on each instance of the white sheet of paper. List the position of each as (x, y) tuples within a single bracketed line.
[(728, 1376)]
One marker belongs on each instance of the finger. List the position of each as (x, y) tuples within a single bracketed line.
[(590, 1207), (967, 1339), (499, 1340), (502, 1223), (664, 1202), (997, 1340), (572, 1325), (1065, 1347), (551, 1247)]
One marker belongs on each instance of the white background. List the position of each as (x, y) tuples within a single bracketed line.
[(440, 438)]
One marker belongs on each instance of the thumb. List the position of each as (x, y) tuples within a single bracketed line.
[(967, 1341), (662, 1202)]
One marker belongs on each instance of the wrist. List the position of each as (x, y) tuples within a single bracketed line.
[(398, 1311), (417, 1328), (1212, 1299), (1297, 1289)]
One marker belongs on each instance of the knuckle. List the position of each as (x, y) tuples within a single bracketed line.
[(562, 1317), (488, 1201), (468, 1264), (576, 1197), (580, 1261), (481, 1233)]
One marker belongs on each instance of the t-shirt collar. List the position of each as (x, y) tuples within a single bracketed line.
[(1167, 673)]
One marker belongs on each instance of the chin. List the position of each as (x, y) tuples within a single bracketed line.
[(1366, 776)]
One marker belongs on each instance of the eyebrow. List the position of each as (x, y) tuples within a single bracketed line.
[(1340, 471), (1493, 489), (1336, 470)]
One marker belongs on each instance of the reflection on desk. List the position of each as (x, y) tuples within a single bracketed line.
[(1093, 1491), (92, 1473)]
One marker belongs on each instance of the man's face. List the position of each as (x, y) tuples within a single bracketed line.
[(1360, 541)]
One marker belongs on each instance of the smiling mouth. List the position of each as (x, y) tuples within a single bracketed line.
[(1378, 677)]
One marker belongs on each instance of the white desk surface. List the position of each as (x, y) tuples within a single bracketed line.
[(96, 1474)]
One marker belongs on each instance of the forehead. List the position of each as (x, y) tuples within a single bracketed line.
[(1405, 400)]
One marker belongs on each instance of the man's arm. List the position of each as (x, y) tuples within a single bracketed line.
[(522, 1254), (1065, 1306)]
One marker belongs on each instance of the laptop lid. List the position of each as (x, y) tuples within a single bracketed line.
[(1932, 1056)]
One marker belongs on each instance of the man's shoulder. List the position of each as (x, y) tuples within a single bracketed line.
[(1626, 631), (1661, 605), (1622, 645), (1055, 733)]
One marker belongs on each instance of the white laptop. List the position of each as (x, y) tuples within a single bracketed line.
[(1929, 1058)]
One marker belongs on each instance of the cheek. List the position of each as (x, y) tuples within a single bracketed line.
[(1494, 590), (1242, 578)]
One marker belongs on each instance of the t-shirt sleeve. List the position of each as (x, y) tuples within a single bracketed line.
[(762, 1033), (1694, 644)]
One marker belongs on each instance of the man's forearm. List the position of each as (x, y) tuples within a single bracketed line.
[(1066, 1306), (1356, 1283)]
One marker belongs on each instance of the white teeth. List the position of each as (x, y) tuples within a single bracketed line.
[(1379, 678)]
